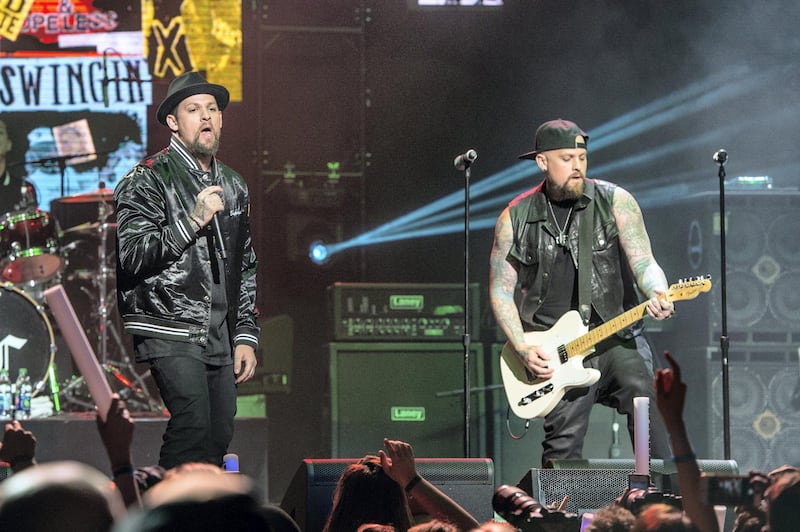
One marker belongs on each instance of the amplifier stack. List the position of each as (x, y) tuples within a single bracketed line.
[(402, 312), (396, 368)]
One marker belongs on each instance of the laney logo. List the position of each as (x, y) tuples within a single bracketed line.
[(7, 344), (408, 413), (406, 302)]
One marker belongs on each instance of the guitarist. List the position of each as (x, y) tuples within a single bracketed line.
[(536, 248)]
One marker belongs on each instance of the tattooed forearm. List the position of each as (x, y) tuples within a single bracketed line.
[(503, 281), (636, 244)]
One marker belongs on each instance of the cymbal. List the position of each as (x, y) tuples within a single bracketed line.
[(101, 194), (89, 227), (60, 159)]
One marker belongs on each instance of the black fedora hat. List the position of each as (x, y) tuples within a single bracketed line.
[(189, 84)]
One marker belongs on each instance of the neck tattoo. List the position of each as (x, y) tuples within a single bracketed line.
[(561, 238)]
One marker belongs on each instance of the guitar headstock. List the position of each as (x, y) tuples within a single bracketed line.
[(689, 288)]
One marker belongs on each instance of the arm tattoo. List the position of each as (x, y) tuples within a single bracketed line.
[(503, 281), (636, 244)]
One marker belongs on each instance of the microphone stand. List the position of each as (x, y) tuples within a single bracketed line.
[(466, 337), (721, 157)]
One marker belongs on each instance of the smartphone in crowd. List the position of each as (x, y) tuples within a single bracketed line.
[(728, 490)]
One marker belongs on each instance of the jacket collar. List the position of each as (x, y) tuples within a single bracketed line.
[(190, 162)]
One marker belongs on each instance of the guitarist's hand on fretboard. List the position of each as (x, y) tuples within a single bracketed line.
[(659, 307), (537, 361)]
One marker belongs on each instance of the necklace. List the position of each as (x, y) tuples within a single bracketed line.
[(561, 238)]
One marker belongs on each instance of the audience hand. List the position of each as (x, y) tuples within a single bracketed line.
[(117, 433), (670, 393), (18, 447), (398, 461)]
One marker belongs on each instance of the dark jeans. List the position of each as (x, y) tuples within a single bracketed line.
[(201, 400), (627, 372)]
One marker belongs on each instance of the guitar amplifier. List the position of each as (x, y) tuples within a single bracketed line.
[(398, 311)]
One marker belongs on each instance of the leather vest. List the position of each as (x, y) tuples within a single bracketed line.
[(534, 252)]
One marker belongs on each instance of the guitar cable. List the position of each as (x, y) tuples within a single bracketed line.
[(508, 426)]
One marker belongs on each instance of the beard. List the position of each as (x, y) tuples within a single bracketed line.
[(197, 147), (569, 191)]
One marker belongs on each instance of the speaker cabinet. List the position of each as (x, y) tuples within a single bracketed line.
[(764, 418), (406, 391), (309, 497), (762, 252), (593, 484)]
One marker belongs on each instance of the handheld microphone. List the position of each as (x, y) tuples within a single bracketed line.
[(218, 236), (463, 161), (105, 78), (721, 156)]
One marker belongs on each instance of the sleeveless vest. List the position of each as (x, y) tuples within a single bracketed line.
[(534, 251)]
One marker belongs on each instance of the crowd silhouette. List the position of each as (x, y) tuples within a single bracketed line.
[(378, 493)]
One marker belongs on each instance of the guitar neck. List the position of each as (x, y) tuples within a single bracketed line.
[(584, 343)]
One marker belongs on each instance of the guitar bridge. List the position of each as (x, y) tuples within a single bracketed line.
[(528, 399)]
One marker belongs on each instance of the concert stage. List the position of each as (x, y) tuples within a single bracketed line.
[(75, 437)]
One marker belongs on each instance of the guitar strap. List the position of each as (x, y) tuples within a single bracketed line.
[(585, 263)]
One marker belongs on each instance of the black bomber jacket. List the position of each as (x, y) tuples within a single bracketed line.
[(163, 269)]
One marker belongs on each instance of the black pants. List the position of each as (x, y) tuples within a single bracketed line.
[(201, 400), (626, 372)]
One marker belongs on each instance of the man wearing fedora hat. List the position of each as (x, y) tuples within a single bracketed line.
[(576, 244), (186, 273)]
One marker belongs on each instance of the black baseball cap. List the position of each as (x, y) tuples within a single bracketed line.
[(557, 135)]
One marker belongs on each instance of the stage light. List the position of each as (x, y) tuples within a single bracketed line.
[(318, 252), (445, 215)]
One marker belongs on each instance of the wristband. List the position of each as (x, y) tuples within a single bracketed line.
[(688, 457), (197, 223), (412, 483), (126, 469)]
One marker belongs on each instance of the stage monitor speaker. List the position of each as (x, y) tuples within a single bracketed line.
[(592, 484), (764, 415), (405, 391), (762, 252), (309, 497)]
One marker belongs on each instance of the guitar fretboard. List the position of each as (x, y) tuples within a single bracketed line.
[(676, 292), (585, 342)]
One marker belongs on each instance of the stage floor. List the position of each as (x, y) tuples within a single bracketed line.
[(74, 436)]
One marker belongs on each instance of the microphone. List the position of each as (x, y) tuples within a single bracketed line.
[(105, 78), (218, 236), (721, 156), (463, 161)]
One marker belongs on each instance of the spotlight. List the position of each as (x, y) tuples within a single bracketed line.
[(318, 252)]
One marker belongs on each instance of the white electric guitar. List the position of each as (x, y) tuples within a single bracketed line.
[(568, 342)]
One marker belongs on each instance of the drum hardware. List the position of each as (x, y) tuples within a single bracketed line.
[(121, 374), (62, 161)]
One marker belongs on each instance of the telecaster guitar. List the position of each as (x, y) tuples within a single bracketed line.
[(568, 342)]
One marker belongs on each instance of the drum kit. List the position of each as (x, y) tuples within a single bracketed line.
[(36, 254)]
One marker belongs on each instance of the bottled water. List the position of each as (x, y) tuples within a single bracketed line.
[(6, 396), (24, 394)]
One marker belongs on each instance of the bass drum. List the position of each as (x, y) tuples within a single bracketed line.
[(26, 337)]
